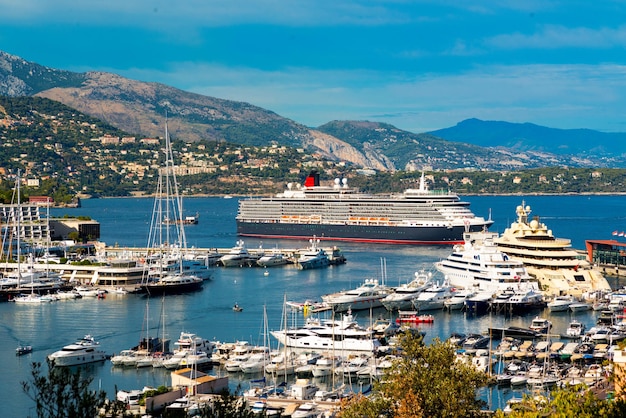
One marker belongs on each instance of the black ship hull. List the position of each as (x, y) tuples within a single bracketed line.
[(171, 289), (427, 235)]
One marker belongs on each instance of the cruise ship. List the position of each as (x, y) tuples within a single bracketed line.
[(557, 267), (341, 213)]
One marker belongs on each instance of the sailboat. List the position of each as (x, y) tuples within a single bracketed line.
[(168, 270), (31, 297)]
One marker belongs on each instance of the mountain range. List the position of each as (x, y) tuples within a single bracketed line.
[(140, 108)]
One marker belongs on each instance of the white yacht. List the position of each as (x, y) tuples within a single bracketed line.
[(479, 265), (575, 329), (366, 296), (237, 256), (33, 298), (86, 350), (525, 299), (273, 259), (400, 299), (557, 267), (190, 350), (189, 340), (175, 360), (284, 365), (312, 257), (256, 362), (120, 359), (457, 300), (325, 366), (196, 359), (307, 410), (344, 334), (560, 303), (433, 297), (541, 325)]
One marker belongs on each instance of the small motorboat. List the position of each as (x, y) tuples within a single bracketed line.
[(541, 325), (23, 349), (237, 308), (412, 317)]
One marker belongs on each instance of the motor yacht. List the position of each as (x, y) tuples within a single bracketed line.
[(540, 325), (575, 329), (433, 297), (479, 302), (367, 296), (174, 361), (343, 334), (272, 260), (313, 257), (237, 256), (476, 342), (402, 296), (458, 299), (83, 351), (525, 299), (560, 303), (307, 410), (120, 359), (196, 359), (325, 366), (255, 362)]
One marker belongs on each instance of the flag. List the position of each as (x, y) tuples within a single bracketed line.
[(614, 232)]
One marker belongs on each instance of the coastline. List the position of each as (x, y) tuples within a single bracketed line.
[(224, 195)]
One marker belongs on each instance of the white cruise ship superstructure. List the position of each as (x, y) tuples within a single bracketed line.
[(556, 266), (338, 212)]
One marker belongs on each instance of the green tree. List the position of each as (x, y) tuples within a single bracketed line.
[(427, 381), (226, 405), (574, 401), (64, 393)]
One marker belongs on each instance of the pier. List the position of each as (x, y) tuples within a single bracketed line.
[(126, 267)]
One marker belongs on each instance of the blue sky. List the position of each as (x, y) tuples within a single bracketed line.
[(419, 65)]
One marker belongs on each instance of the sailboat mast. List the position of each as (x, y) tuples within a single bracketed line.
[(172, 190), (18, 214)]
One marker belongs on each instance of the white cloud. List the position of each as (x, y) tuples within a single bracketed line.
[(208, 13), (557, 36)]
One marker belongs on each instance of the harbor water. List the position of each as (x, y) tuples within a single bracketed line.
[(119, 321)]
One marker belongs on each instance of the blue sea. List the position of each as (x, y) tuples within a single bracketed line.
[(119, 321)]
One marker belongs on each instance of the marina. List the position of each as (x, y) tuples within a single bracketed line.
[(116, 321)]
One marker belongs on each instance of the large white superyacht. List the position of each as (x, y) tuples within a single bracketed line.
[(480, 266), (338, 212), (556, 266)]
